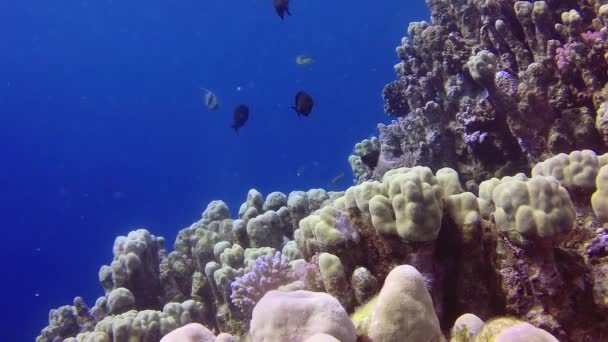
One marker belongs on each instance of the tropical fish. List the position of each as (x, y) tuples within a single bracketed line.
[(304, 103), (371, 159), (240, 116), (282, 7), (304, 60), (337, 179), (210, 99)]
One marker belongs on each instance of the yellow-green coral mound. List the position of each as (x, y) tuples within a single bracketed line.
[(599, 199), (538, 208), (576, 170), (512, 330), (410, 205), (404, 310)]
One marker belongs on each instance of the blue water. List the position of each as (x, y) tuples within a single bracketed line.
[(103, 127)]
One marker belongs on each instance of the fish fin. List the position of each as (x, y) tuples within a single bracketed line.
[(296, 110), (287, 10)]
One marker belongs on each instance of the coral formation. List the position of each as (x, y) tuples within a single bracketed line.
[(404, 309), (532, 248), (268, 273), (298, 315), (478, 213), (491, 87)]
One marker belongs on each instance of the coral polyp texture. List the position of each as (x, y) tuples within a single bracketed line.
[(478, 214)]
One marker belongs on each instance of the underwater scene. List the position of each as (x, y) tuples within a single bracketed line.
[(304, 171)]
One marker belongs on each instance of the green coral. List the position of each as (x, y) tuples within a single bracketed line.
[(599, 199), (410, 206), (363, 315), (539, 209), (574, 171)]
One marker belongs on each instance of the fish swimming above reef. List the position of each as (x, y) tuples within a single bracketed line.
[(282, 7), (210, 98), (337, 179), (304, 60), (371, 159), (304, 103), (240, 116)]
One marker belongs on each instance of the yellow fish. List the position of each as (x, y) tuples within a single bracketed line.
[(210, 99), (304, 60)]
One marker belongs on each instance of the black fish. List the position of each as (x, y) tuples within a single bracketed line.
[(371, 159), (240, 116), (282, 7), (304, 103)]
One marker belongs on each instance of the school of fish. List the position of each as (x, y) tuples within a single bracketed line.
[(240, 115)]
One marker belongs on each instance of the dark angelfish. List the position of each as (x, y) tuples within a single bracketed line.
[(282, 7), (304, 103), (240, 116), (371, 159)]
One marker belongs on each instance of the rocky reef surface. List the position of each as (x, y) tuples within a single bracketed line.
[(479, 214), (491, 87)]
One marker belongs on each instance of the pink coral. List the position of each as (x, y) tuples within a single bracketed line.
[(310, 275), (594, 38), (565, 57)]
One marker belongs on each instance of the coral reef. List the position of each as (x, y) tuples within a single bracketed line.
[(490, 88), (410, 255), (506, 243)]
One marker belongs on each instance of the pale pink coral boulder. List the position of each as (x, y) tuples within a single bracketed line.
[(298, 316), (192, 332)]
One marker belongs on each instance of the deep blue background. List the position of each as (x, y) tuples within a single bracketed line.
[(103, 128)]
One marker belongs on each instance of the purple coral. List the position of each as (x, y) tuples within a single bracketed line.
[(593, 38), (598, 247), (565, 57), (345, 226), (310, 275), (506, 82), (268, 273)]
